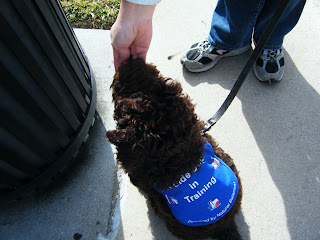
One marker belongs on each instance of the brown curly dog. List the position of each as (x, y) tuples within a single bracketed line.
[(160, 145)]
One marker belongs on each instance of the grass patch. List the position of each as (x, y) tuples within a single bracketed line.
[(99, 14)]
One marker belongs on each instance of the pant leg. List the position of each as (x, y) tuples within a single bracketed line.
[(233, 22), (287, 22)]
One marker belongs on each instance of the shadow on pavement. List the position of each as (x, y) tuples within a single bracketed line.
[(160, 232), (76, 205), (284, 120)]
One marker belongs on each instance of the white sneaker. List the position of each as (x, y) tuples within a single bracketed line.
[(202, 56), (270, 66)]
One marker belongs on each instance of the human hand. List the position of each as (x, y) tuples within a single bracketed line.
[(132, 32)]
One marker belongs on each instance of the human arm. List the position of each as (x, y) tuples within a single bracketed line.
[(132, 32)]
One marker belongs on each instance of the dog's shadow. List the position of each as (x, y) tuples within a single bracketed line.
[(160, 232), (284, 121)]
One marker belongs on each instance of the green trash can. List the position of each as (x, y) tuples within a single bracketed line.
[(47, 95)]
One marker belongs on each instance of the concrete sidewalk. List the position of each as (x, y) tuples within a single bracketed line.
[(271, 131)]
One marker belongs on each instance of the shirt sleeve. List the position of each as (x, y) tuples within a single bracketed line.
[(145, 2)]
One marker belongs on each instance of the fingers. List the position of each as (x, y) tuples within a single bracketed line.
[(141, 53), (122, 54), (120, 60), (120, 57), (132, 32)]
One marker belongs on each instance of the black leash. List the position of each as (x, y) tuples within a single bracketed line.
[(253, 57)]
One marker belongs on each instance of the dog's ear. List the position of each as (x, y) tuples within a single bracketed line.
[(112, 136), (118, 136)]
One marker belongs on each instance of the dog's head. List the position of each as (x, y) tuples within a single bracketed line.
[(155, 120), (136, 77), (146, 102)]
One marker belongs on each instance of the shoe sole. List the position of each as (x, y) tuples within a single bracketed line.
[(202, 68)]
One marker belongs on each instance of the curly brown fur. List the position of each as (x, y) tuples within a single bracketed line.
[(158, 139)]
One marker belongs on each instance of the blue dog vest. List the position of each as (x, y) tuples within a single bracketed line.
[(206, 195)]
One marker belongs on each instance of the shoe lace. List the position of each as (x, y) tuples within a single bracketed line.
[(273, 54), (204, 46)]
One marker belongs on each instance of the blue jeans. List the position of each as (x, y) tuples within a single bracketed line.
[(234, 22)]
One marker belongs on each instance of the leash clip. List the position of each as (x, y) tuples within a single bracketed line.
[(209, 124)]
